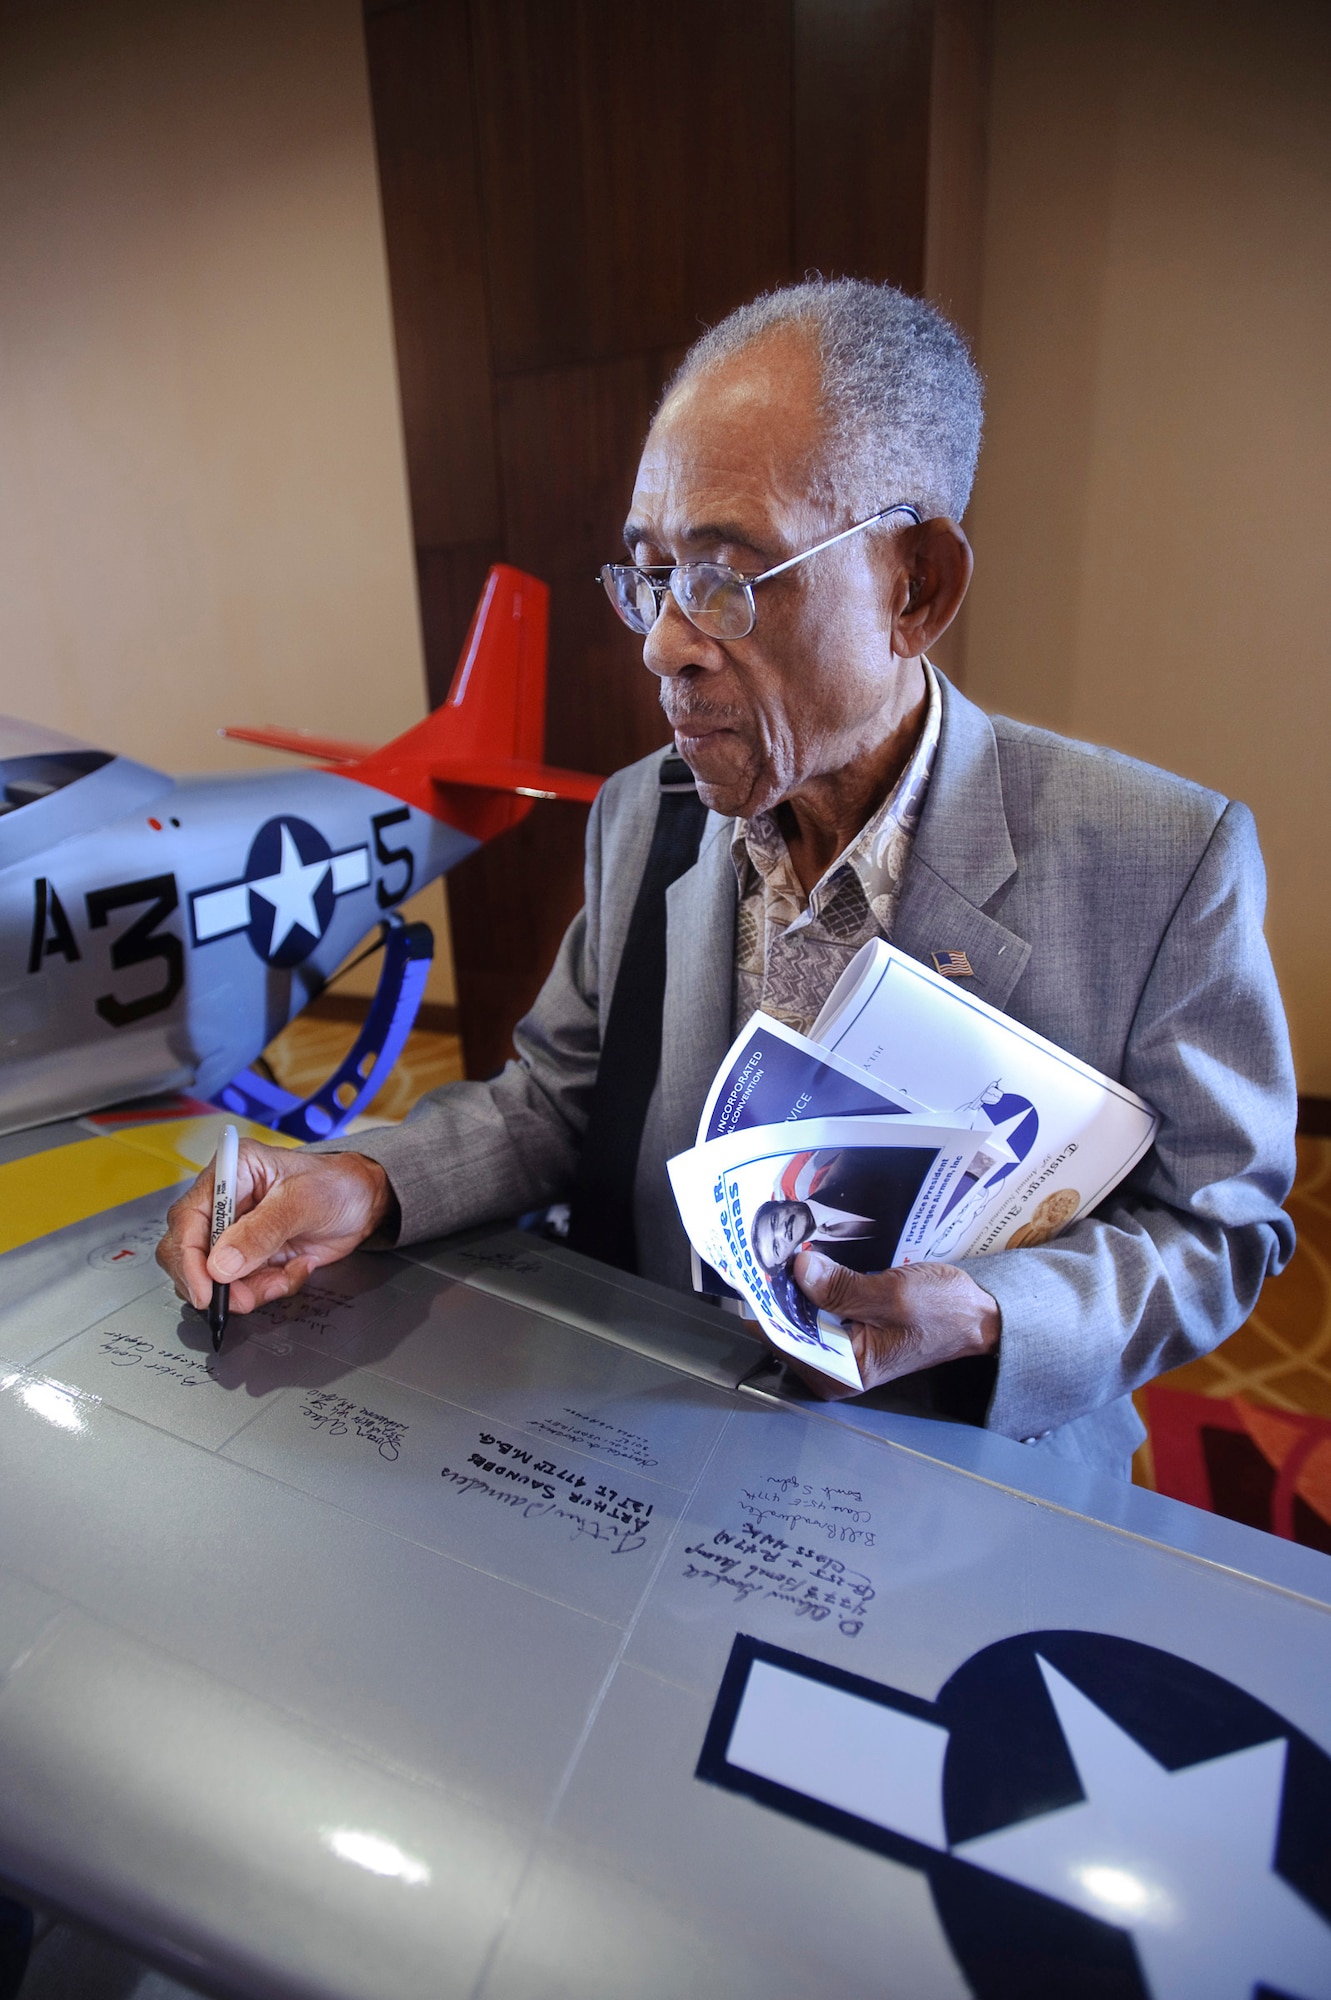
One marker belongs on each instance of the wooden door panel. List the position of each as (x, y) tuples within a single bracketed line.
[(569, 440), (509, 905), (635, 166), (572, 189), (862, 138), (421, 93)]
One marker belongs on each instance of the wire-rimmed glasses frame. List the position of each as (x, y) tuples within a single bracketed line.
[(715, 598)]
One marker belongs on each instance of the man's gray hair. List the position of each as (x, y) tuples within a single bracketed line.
[(903, 398)]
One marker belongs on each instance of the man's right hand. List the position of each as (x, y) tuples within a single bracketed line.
[(294, 1212)]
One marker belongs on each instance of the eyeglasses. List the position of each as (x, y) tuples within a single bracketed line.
[(712, 596)]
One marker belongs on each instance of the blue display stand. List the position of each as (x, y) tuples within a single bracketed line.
[(368, 1064)]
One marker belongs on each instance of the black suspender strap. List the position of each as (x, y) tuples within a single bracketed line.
[(601, 1218)]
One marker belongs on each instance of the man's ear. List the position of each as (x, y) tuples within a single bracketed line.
[(935, 571)]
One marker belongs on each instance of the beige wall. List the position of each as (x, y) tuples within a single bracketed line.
[(203, 511), (1153, 516)]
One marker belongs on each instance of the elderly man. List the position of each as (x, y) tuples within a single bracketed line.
[(794, 554)]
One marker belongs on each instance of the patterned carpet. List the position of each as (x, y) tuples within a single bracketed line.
[(1246, 1431), (310, 1049), (1282, 1356), (1280, 1359)]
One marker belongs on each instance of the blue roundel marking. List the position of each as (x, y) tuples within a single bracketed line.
[(1065, 1745), (1095, 1816), (291, 890), (284, 901)]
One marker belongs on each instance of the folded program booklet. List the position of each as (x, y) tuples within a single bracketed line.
[(869, 1191), (914, 1122), (1074, 1133), (773, 1075)]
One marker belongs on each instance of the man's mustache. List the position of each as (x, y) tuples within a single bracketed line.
[(686, 716)]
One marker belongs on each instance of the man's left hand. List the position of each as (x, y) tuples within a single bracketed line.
[(899, 1321)]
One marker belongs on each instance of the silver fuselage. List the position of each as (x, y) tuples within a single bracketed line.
[(136, 952)]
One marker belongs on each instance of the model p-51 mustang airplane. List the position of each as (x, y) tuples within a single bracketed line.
[(157, 932)]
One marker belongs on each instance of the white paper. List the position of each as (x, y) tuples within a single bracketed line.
[(1074, 1133), (772, 1074), (867, 1191)]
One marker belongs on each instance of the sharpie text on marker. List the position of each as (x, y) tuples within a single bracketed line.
[(224, 1214)]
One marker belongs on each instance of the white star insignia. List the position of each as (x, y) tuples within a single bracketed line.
[(291, 893), (1009, 1125), (1183, 1860)]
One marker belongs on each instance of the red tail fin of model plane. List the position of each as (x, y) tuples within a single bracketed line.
[(476, 762)]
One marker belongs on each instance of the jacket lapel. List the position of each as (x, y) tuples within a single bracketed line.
[(961, 858), (700, 972)]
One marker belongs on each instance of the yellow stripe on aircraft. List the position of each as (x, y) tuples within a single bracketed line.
[(48, 1191)]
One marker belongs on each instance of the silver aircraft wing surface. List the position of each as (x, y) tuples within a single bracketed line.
[(468, 1627)]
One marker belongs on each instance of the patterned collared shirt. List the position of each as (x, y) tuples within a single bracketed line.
[(790, 949)]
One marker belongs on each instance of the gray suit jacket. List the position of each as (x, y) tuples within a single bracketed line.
[(1110, 906)]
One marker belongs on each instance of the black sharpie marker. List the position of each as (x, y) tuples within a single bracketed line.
[(224, 1214)]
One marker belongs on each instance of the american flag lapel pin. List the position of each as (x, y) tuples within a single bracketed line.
[(952, 964)]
